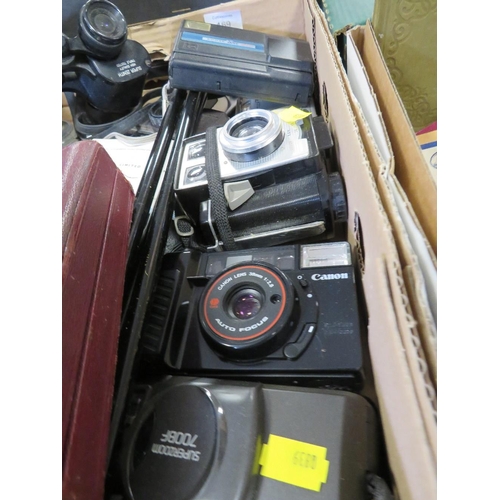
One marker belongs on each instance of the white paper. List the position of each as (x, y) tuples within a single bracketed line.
[(363, 92), (230, 18), (129, 156)]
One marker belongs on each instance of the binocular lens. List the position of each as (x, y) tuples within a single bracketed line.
[(103, 28), (106, 22)]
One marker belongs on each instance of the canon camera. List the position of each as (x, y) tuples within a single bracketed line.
[(286, 314)]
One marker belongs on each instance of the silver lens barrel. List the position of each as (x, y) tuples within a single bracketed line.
[(251, 135)]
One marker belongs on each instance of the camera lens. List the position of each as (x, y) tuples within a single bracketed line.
[(251, 135), (248, 128), (103, 28), (246, 310), (245, 304)]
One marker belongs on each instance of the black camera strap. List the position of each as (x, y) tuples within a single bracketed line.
[(144, 112), (216, 191)]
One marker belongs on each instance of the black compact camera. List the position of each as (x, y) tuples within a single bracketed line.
[(105, 69), (230, 61), (277, 176), (206, 438), (286, 314)]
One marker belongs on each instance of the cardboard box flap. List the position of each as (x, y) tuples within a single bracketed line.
[(379, 245), (410, 166), (412, 274), (365, 101), (414, 249), (413, 464), (364, 97)]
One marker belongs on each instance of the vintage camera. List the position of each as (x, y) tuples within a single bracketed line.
[(286, 314), (277, 179), (205, 438), (105, 69), (238, 62)]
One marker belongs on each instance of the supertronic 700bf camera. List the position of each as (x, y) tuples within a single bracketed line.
[(225, 440), (277, 180), (286, 314)]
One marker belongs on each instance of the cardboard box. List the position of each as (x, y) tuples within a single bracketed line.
[(403, 181), (409, 166), (395, 369)]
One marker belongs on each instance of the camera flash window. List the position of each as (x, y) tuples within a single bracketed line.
[(325, 255)]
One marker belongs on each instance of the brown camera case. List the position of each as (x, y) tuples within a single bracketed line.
[(97, 205)]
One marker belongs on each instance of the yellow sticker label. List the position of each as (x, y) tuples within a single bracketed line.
[(294, 462), (292, 114)]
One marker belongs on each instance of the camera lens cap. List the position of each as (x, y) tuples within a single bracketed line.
[(171, 448)]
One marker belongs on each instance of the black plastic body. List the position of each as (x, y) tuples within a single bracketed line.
[(242, 63), (284, 206), (147, 240), (329, 356), (113, 87), (203, 438)]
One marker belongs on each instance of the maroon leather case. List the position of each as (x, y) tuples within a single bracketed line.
[(97, 205)]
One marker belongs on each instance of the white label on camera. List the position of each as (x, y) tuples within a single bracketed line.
[(230, 18), (128, 67), (177, 438)]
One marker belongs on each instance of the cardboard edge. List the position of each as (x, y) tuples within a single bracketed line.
[(403, 139), (357, 34), (413, 466), (424, 459), (417, 306)]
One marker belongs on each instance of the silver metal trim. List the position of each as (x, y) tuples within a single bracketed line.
[(217, 245), (318, 227), (239, 147)]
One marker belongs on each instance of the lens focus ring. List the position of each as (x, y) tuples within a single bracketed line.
[(245, 311), (251, 135)]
